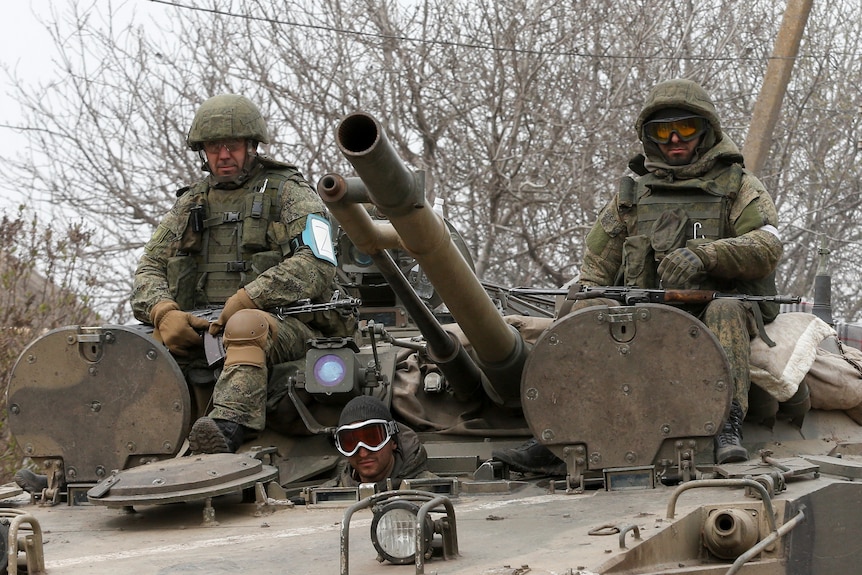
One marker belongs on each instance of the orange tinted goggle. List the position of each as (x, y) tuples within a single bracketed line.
[(687, 129), (372, 434)]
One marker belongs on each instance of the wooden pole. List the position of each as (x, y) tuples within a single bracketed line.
[(778, 69)]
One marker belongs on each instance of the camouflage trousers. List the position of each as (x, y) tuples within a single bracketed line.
[(733, 323), (240, 392)]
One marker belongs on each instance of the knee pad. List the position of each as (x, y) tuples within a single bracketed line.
[(246, 337)]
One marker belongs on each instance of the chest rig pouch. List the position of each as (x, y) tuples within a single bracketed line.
[(675, 214), (227, 240)]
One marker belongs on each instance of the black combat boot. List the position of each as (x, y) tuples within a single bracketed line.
[(531, 457), (728, 443), (210, 435)]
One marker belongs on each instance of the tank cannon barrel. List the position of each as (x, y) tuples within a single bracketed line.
[(400, 195), (340, 195)]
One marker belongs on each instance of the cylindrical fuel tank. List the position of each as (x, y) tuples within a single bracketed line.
[(620, 381), (99, 398)]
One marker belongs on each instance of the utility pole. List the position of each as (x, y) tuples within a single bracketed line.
[(768, 105)]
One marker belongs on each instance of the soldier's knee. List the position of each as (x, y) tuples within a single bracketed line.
[(724, 309), (246, 337)]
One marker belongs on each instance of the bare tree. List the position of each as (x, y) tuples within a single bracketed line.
[(520, 112)]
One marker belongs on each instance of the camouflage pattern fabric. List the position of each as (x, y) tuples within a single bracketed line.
[(745, 261), (301, 276), (240, 391)]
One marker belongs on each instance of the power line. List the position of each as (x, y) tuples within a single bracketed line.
[(471, 45)]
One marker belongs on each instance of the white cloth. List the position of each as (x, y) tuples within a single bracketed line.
[(780, 369)]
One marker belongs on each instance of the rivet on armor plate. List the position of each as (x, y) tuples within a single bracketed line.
[(709, 427), (627, 389), (71, 473), (665, 429), (548, 434), (15, 409), (720, 385), (631, 457), (151, 354), (532, 393), (109, 337), (131, 447), (553, 339), (643, 314), (167, 447), (100, 471), (31, 358), (624, 349), (595, 458), (694, 331), (159, 481)]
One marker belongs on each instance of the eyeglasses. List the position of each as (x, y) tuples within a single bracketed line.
[(372, 434), (687, 129), (229, 145)]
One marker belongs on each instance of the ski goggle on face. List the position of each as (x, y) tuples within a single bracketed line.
[(372, 434), (687, 129)]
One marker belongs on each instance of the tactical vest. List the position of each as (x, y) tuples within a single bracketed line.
[(675, 214), (225, 245), (684, 213)]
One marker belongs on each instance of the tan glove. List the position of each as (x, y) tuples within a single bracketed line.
[(234, 303), (176, 328)]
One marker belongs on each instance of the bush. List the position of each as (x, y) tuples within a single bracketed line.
[(44, 284)]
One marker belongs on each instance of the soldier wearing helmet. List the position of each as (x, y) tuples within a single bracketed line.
[(250, 237), (692, 218)]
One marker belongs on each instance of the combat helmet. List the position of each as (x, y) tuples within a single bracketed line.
[(224, 117)]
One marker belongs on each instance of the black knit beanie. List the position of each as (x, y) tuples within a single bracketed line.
[(363, 408)]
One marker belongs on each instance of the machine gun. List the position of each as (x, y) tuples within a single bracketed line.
[(214, 346), (634, 295)]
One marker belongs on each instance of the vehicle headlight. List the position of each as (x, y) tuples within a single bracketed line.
[(394, 534)]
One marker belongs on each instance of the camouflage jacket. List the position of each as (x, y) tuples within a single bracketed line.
[(746, 253), (292, 272)]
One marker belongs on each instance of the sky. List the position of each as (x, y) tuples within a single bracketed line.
[(27, 49), (24, 49)]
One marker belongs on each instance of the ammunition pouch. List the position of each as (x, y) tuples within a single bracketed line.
[(256, 217), (639, 263)]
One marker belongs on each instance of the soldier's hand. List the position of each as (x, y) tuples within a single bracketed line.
[(234, 303), (680, 269), (180, 331)]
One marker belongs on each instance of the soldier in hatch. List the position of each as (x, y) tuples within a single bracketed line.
[(376, 447), (694, 218), (251, 236)]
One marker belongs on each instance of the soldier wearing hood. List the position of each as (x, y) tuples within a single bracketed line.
[(692, 218)]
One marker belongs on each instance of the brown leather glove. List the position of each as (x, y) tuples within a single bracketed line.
[(176, 328), (234, 303)]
